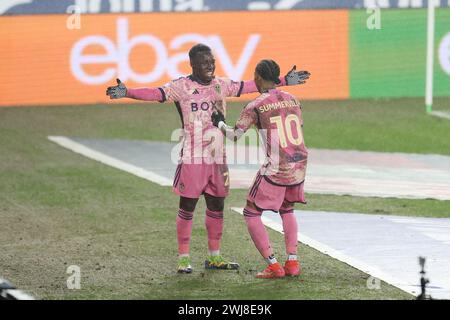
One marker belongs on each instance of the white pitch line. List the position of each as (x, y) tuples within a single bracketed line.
[(108, 160), (441, 114), (336, 254)]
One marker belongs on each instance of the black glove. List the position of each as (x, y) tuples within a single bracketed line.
[(216, 117), (117, 92), (294, 77)]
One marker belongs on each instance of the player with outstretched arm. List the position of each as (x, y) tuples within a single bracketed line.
[(279, 182), (199, 172)]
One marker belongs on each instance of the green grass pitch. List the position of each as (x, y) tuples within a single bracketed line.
[(58, 208)]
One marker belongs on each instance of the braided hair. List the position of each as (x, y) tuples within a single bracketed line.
[(269, 70)]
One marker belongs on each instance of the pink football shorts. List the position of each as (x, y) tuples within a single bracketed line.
[(267, 195), (193, 180)]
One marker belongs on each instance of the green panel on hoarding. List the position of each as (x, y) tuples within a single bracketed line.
[(390, 61), (441, 73)]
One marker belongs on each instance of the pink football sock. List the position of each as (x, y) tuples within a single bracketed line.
[(214, 227), (290, 230), (258, 231), (184, 229)]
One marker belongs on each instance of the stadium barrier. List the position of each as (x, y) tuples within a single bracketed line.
[(51, 64), (71, 59), (18, 7)]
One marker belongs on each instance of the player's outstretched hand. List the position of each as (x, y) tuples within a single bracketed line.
[(294, 77), (216, 117), (117, 92)]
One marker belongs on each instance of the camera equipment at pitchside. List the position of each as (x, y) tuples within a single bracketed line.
[(423, 281), (9, 292)]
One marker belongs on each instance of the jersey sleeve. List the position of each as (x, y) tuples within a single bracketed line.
[(146, 94), (248, 117), (173, 90), (249, 86), (231, 88)]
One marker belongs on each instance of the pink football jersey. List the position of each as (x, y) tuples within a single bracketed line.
[(278, 117), (195, 103)]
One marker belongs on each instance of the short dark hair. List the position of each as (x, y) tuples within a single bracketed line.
[(269, 70), (198, 48)]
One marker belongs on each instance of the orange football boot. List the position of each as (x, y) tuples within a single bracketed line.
[(292, 268), (274, 270)]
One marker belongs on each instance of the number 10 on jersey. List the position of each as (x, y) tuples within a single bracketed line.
[(285, 127)]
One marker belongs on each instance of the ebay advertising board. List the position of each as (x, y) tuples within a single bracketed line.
[(49, 63), (55, 60)]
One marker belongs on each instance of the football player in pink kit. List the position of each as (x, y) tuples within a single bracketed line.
[(279, 182), (199, 171)]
